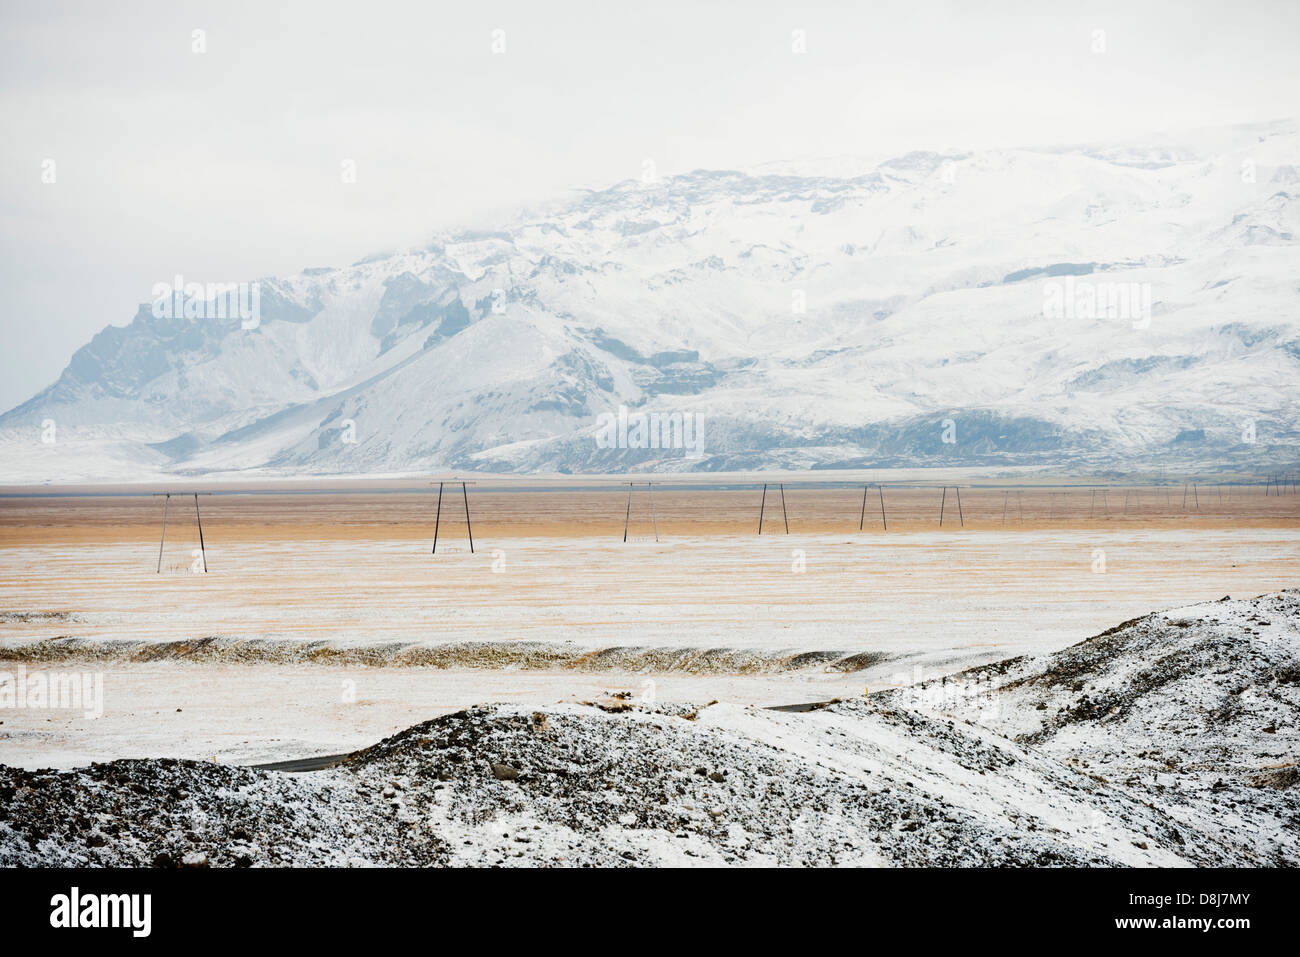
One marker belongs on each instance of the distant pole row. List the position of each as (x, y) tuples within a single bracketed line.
[(1280, 483), (1276, 484)]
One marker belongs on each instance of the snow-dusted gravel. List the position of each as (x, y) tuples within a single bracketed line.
[(1168, 740)]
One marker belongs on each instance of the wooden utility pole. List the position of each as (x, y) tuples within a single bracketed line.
[(763, 505), (167, 499), (943, 501), (199, 518), (627, 517), (465, 493), (437, 520), (166, 504)]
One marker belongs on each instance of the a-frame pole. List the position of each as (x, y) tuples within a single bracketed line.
[(437, 521), (761, 506), (468, 529), (863, 517), (1196, 498), (783, 514), (1005, 495), (627, 517), (167, 500), (653, 518), (881, 489), (959, 514), (199, 518), (941, 504)]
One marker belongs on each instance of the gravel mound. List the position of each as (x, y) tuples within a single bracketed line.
[(1196, 706), (168, 813)]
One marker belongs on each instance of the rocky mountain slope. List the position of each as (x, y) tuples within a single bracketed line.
[(1090, 306)]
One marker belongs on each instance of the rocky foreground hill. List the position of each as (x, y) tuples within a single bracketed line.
[(1171, 739)]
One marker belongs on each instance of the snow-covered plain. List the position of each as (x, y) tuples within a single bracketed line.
[(1169, 740), (294, 648), (553, 602)]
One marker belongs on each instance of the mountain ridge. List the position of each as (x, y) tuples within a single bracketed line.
[(900, 315)]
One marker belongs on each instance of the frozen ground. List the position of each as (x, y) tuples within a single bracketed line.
[(253, 714), (944, 597), (1168, 740), (296, 648), (290, 649)]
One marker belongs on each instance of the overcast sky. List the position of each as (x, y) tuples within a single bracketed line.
[(225, 165)]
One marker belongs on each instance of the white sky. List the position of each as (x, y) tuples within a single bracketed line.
[(225, 166)]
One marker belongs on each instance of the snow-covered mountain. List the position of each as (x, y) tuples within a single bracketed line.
[(1107, 307)]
